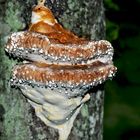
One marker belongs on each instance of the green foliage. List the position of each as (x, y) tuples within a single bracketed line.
[(132, 42), (112, 30), (122, 111), (110, 4), (129, 66)]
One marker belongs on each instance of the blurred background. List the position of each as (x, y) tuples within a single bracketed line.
[(122, 100)]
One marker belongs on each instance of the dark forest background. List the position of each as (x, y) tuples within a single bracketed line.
[(122, 100)]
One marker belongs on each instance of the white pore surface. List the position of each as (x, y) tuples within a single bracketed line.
[(55, 109)]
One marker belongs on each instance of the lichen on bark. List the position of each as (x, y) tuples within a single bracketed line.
[(17, 118)]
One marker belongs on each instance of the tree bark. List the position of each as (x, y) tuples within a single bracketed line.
[(17, 118)]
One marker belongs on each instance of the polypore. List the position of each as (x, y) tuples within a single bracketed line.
[(60, 68)]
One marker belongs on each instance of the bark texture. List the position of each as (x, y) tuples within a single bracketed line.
[(17, 118)]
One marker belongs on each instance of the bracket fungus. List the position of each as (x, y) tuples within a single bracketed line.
[(60, 68)]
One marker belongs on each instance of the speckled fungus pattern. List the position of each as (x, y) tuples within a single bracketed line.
[(60, 68)]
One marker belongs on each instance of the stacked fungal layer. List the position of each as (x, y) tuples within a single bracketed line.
[(38, 47), (57, 57), (56, 76), (83, 65)]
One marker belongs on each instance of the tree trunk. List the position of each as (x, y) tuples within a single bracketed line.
[(17, 118)]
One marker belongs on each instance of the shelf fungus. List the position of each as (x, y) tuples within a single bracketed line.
[(60, 68)]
